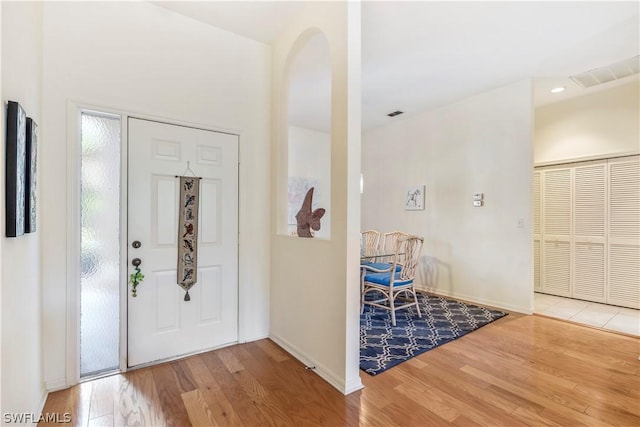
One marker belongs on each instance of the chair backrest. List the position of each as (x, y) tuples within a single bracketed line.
[(393, 241), (369, 239), (412, 247)]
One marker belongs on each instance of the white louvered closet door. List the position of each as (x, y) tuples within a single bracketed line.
[(556, 226), (589, 231), (624, 232), (537, 230)]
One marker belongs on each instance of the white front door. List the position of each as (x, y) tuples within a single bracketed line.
[(161, 324)]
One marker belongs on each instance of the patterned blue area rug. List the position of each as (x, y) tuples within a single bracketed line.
[(383, 346)]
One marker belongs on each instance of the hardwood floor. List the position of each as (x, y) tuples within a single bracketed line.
[(517, 371)]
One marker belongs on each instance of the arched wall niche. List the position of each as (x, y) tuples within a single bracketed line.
[(304, 132)]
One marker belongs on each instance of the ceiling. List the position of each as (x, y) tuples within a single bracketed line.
[(420, 55)]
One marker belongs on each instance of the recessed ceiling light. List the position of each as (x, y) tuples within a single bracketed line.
[(395, 113), (557, 89)]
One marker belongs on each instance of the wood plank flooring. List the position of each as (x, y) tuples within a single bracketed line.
[(517, 371)]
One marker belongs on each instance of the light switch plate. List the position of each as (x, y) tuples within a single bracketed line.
[(478, 196), (478, 203)]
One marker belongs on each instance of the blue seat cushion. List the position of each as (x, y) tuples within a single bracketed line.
[(384, 278), (381, 266)]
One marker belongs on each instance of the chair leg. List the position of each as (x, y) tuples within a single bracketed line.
[(392, 307), (361, 291), (415, 298)]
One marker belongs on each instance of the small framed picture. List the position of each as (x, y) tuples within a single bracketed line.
[(31, 191), (414, 198), (15, 169)]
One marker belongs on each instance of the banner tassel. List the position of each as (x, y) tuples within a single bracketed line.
[(187, 297)]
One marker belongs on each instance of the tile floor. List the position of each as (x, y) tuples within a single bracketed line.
[(604, 316)]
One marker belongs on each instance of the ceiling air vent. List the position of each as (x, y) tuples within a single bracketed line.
[(395, 113), (606, 74)]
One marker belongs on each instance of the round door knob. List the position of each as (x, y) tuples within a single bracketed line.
[(136, 262), (136, 244)]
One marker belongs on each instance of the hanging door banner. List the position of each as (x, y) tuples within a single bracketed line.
[(188, 233)]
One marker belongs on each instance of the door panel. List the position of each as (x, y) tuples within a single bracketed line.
[(624, 232), (557, 268), (556, 221), (210, 208), (161, 324), (589, 231), (537, 230)]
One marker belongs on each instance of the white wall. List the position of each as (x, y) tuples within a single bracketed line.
[(137, 57), (310, 157), (601, 124), (314, 282), (482, 144), (22, 379)]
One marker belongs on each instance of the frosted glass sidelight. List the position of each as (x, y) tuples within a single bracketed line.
[(100, 244)]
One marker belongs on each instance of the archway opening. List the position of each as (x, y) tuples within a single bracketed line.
[(308, 130)]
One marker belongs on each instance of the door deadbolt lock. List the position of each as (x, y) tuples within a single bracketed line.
[(136, 244)]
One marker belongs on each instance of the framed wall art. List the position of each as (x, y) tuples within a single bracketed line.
[(15, 184), (414, 198), (30, 200)]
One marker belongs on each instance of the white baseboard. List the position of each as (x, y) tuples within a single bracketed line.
[(353, 384), (475, 300), (344, 387)]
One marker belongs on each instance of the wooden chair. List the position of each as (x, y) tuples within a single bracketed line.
[(390, 289), (369, 239), (389, 243), (393, 241)]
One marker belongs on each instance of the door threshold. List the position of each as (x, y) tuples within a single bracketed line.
[(99, 375), (180, 357), (586, 325)]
